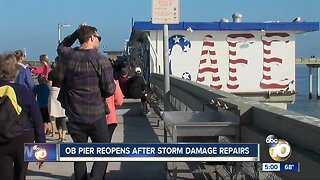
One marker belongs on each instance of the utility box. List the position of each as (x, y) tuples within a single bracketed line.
[(200, 124)]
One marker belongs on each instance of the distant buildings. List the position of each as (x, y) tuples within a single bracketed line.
[(113, 54)]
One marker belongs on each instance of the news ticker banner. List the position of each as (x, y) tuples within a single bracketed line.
[(281, 167), (141, 152)]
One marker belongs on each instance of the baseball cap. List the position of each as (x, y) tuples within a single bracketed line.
[(138, 69)]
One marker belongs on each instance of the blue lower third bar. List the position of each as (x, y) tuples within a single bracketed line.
[(159, 152), (142, 152), (292, 167)]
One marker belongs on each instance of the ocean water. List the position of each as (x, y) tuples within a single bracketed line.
[(303, 104)]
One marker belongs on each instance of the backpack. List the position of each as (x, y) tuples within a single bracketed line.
[(12, 117)]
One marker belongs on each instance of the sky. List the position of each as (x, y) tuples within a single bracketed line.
[(32, 24)]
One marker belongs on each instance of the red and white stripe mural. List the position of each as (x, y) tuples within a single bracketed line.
[(208, 67), (268, 59), (234, 60), (252, 61)]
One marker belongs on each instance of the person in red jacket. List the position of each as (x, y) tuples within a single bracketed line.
[(113, 101), (45, 68), (123, 82)]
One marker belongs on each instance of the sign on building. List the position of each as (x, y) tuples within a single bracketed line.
[(165, 11)]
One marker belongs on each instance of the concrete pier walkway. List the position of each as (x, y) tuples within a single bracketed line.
[(131, 129)]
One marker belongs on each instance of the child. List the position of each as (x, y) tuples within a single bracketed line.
[(42, 92)]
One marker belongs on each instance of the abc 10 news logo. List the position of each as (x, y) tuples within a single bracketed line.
[(40, 153), (279, 149)]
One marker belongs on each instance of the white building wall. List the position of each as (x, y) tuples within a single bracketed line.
[(233, 61)]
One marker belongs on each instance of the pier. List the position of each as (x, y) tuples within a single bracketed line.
[(311, 63), (257, 121)]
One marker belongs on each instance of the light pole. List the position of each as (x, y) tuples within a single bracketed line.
[(59, 29), (25, 52)]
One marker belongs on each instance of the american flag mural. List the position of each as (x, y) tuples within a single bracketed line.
[(208, 67), (181, 41), (234, 60), (268, 59)]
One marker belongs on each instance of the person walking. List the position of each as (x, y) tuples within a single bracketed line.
[(112, 102), (24, 77), (12, 164), (56, 112), (137, 89), (88, 81)]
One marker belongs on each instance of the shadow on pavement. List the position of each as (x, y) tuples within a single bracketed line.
[(45, 175), (137, 129)]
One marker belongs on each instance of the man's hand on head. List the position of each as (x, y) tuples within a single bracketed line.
[(82, 24)]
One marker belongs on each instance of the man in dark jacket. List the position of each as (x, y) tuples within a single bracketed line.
[(137, 89), (88, 81)]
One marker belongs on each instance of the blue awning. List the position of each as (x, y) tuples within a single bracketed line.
[(230, 26)]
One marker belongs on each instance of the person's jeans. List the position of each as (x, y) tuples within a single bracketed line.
[(98, 133), (12, 164), (111, 128)]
